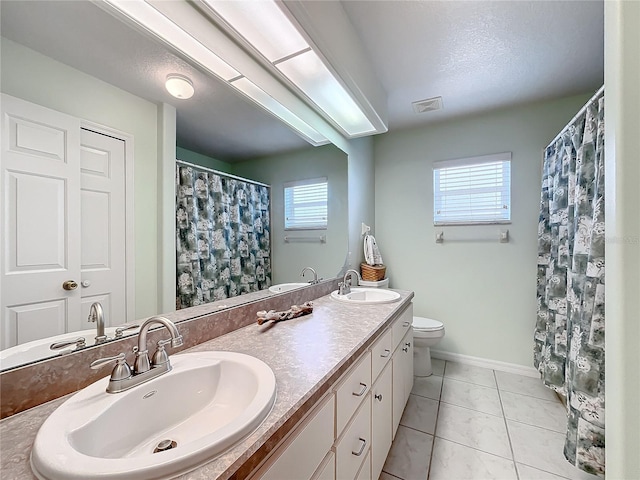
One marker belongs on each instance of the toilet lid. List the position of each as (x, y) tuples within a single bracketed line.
[(426, 324)]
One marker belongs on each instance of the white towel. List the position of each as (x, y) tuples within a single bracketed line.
[(371, 253)]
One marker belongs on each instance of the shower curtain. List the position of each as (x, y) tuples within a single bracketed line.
[(569, 334), (222, 237)]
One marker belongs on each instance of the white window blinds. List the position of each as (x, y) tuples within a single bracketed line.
[(472, 190), (305, 204)]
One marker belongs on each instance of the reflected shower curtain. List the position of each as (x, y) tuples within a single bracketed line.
[(569, 335), (222, 237)]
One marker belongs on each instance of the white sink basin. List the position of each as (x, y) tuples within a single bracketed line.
[(39, 349), (207, 403), (367, 296), (285, 287)]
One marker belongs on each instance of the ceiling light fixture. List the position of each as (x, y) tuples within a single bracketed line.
[(179, 86), (275, 37)]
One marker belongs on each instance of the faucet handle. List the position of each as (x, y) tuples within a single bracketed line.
[(160, 357), (120, 371), (78, 342), (123, 328)]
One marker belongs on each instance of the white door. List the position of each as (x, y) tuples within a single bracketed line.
[(43, 187), (102, 200)]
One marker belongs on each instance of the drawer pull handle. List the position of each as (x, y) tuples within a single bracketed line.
[(378, 396), (362, 447), (408, 344), (406, 324), (361, 392), (386, 353), (405, 349)]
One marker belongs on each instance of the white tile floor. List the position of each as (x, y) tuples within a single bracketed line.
[(473, 423)]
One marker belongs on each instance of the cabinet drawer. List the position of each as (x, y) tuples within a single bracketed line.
[(381, 354), (381, 420), (301, 454), (352, 448), (402, 325), (352, 391), (365, 471), (327, 471)]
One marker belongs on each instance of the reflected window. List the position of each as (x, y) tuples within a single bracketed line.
[(305, 204)]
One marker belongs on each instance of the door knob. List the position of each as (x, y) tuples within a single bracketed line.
[(69, 285)]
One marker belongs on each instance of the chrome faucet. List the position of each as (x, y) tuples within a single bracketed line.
[(141, 363), (315, 275), (344, 287), (123, 377), (96, 314)]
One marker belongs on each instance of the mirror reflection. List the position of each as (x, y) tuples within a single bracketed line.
[(108, 98)]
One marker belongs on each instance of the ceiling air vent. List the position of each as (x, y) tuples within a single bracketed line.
[(428, 105)]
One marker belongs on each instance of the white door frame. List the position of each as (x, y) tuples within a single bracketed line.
[(130, 265)]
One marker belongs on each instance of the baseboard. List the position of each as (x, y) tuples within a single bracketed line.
[(485, 363)]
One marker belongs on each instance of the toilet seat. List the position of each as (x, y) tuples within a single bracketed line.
[(422, 324)]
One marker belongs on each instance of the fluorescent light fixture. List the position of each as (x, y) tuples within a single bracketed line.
[(266, 27), (263, 25), (155, 22), (313, 77), (179, 86), (263, 99)]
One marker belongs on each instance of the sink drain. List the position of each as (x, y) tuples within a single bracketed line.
[(165, 445)]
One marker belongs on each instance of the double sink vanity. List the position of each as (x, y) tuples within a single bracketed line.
[(315, 397)]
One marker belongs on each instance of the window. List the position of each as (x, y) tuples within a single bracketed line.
[(472, 190), (305, 204)]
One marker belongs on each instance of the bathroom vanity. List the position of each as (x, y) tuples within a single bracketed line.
[(343, 377)]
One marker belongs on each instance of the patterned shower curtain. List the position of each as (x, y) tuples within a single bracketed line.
[(569, 335), (222, 237)]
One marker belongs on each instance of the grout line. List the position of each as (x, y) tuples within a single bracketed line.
[(543, 470), (473, 409), (418, 430), (474, 448), (433, 442), (391, 475), (506, 427), (469, 382), (535, 426), (531, 396)]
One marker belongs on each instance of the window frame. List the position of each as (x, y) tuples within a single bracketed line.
[(286, 204), (504, 189)]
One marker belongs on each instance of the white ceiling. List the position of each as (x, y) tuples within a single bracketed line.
[(478, 55)]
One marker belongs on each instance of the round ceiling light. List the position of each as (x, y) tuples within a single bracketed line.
[(179, 86)]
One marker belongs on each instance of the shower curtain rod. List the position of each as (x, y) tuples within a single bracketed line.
[(580, 112), (222, 174)]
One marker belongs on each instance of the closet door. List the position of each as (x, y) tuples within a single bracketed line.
[(40, 214)]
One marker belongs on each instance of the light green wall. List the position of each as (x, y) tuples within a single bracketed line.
[(482, 290), (33, 77), (290, 258), (361, 197), (203, 160)]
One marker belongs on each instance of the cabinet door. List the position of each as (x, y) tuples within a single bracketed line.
[(401, 326), (381, 421), (398, 379)]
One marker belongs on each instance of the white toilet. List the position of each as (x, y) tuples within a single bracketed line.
[(426, 334)]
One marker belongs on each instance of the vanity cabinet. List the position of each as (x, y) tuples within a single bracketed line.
[(347, 436)]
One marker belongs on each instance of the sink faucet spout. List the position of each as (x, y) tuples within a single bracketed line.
[(345, 285), (142, 356), (96, 314), (315, 275)]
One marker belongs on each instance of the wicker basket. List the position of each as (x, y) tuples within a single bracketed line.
[(372, 273)]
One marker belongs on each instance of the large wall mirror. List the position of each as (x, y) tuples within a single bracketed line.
[(75, 58)]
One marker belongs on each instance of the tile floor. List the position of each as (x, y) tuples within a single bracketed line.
[(473, 423)]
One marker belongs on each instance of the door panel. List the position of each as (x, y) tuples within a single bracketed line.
[(102, 160), (40, 178)]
